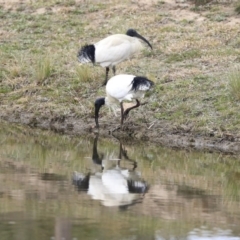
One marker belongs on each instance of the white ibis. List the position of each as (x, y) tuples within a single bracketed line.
[(112, 50), (123, 87)]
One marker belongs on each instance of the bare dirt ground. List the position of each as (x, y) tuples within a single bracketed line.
[(157, 131)]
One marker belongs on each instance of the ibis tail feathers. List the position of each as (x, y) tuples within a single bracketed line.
[(86, 54), (141, 83), (137, 186)]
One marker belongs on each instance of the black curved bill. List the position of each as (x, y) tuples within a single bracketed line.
[(144, 39)]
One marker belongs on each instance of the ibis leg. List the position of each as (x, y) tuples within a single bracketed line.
[(122, 112), (114, 70), (125, 114), (106, 78)]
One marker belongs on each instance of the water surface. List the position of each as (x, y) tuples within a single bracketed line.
[(63, 187)]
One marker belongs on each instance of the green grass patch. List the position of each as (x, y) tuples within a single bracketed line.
[(237, 7), (179, 57), (5, 89), (234, 84), (43, 71), (83, 73)]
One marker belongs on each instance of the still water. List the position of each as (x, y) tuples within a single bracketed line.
[(63, 187)]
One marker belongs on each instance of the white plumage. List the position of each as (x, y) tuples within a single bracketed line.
[(123, 87), (115, 49), (112, 50), (113, 185), (120, 87)]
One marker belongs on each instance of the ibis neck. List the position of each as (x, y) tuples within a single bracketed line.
[(98, 104)]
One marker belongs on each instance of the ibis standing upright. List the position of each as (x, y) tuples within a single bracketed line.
[(112, 50), (123, 87)]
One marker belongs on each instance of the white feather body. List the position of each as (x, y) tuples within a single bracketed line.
[(119, 88), (111, 186), (115, 49)]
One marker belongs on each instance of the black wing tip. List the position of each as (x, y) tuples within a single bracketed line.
[(87, 53), (137, 186), (82, 49), (86, 46), (81, 181), (140, 81)]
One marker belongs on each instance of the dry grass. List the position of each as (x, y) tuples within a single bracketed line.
[(237, 7), (43, 71), (84, 74), (234, 84)]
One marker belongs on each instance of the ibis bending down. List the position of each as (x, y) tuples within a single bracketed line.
[(112, 50), (113, 184), (123, 87)]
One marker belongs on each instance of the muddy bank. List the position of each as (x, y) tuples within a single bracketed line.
[(156, 132)]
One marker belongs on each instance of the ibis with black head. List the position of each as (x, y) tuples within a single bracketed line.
[(112, 50), (123, 87)]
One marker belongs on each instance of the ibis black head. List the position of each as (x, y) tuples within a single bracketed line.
[(98, 104), (133, 33)]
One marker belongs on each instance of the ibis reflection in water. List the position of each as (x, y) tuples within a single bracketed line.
[(112, 185), (112, 50)]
